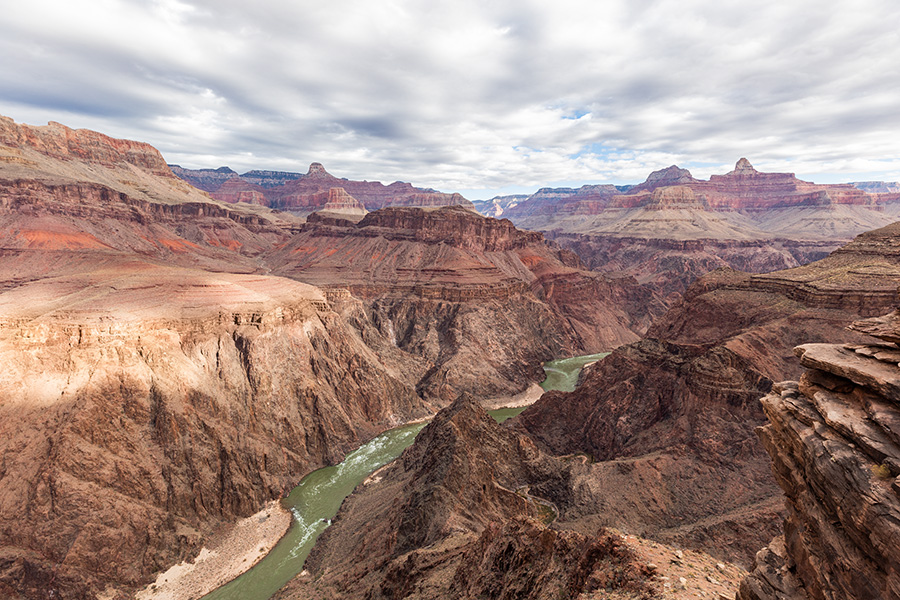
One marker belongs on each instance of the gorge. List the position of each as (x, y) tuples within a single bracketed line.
[(175, 359)]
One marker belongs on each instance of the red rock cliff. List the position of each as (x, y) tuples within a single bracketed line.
[(835, 450), (85, 145)]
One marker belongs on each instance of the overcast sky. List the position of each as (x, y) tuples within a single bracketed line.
[(472, 96)]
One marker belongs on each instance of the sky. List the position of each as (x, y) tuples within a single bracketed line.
[(477, 96)]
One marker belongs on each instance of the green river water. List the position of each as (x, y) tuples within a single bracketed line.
[(319, 496)]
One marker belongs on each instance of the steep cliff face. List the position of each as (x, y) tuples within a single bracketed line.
[(833, 439), (207, 180), (676, 410), (150, 394), (461, 515), (340, 202), (236, 190), (138, 410), (475, 303), (58, 141), (143, 401), (303, 193)]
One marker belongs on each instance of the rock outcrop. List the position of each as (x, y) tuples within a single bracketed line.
[(65, 205), (207, 180), (674, 224), (463, 513), (342, 203), (236, 190), (669, 176), (60, 142), (833, 439), (877, 187)]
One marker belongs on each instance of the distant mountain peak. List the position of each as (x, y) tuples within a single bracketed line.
[(743, 167), (673, 175), (317, 170)]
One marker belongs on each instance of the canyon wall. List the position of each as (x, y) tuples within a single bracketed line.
[(672, 228), (159, 382), (473, 302), (306, 193), (140, 411), (670, 419), (833, 440)]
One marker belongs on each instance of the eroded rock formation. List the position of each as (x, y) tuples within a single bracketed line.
[(833, 439), (306, 193), (673, 228), (463, 514), (670, 418), (157, 386), (473, 302), (141, 408)]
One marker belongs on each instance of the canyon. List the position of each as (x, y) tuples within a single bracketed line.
[(472, 302), (676, 411), (464, 513), (175, 357), (174, 361)]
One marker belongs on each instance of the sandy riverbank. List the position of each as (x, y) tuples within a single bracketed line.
[(230, 555), (529, 396)]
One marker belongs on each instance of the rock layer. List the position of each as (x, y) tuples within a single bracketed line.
[(833, 439), (475, 303), (223, 390), (674, 224), (306, 193), (670, 418), (156, 386)]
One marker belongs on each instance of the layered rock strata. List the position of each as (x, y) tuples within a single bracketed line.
[(141, 409), (463, 513), (342, 203), (306, 193), (833, 439), (151, 394), (473, 302), (673, 228), (79, 199), (670, 419)]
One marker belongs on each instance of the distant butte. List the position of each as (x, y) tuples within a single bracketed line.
[(303, 194)]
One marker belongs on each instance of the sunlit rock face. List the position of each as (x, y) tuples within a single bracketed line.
[(140, 408), (155, 385)]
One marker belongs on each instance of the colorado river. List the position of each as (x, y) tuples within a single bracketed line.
[(319, 496)]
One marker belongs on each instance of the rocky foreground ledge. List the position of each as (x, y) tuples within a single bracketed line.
[(834, 439)]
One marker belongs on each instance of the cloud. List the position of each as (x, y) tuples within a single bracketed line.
[(469, 95)]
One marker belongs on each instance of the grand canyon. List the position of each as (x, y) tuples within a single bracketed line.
[(181, 347)]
